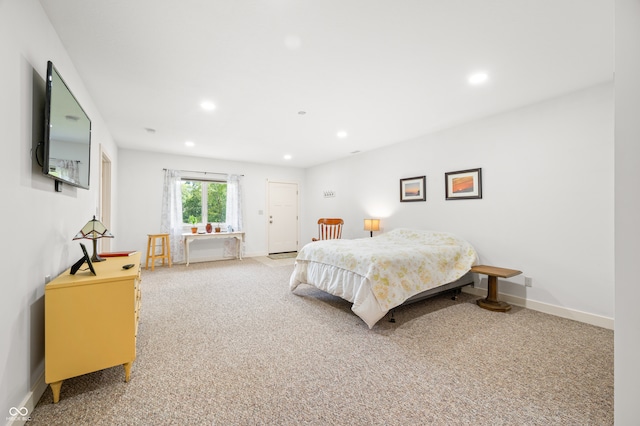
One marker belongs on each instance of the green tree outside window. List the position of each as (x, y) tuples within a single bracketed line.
[(204, 199)]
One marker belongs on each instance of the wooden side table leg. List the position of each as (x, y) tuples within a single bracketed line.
[(491, 302), (492, 289), (55, 389)]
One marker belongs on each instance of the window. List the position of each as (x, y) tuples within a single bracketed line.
[(204, 200)]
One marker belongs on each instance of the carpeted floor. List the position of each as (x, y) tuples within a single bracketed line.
[(227, 343)]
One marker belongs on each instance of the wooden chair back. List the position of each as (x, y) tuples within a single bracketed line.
[(329, 229)]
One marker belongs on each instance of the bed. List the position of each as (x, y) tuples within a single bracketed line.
[(380, 273)]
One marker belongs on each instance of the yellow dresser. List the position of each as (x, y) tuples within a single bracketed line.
[(91, 321)]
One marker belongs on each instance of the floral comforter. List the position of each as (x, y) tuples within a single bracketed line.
[(397, 265)]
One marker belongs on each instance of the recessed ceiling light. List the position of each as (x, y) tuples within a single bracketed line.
[(342, 134), (292, 42), (207, 105), (478, 78), (189, 144), (288, 157)]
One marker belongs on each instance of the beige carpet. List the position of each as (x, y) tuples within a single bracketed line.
[(226, 343)]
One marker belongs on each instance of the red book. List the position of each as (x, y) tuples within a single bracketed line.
[(117, 253)]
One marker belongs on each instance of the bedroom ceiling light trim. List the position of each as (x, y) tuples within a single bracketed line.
[(478, 78), (292, 42), (207, 105)]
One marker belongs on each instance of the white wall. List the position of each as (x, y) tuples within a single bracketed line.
[(627, 205), (547, 206), (37, 222), (140, 198)]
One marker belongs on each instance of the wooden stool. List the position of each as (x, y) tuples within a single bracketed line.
[(493, 272), (165, 250)]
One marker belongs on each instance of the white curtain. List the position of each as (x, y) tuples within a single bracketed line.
[(234, 213), (171, 220)]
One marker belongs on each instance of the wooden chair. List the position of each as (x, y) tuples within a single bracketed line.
[(329, 229)]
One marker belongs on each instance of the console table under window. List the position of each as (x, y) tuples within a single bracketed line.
[(188, 237)]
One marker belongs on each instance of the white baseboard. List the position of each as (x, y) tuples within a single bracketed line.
[(29, 402), (558, 311)]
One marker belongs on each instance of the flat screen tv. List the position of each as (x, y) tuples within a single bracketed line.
[(67, 135)]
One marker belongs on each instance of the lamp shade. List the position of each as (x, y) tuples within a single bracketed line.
[(372, 224), (94, 230)]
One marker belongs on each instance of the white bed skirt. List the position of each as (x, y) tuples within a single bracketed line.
[(342, 283)]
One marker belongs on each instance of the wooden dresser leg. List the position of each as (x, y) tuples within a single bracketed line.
[(127, 371), (55, 389)]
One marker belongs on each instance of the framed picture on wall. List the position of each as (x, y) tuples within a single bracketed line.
[(463, 184), (413, 189)]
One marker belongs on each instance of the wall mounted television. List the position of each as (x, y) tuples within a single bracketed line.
[(66, 156)]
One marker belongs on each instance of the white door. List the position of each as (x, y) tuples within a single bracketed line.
[(283, 217)]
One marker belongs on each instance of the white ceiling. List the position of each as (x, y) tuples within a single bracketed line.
[(382, 70)]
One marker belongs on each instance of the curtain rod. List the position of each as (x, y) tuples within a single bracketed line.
[(206, 173)]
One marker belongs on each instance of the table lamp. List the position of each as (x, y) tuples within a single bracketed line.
[(93, 230), (372, 225)]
